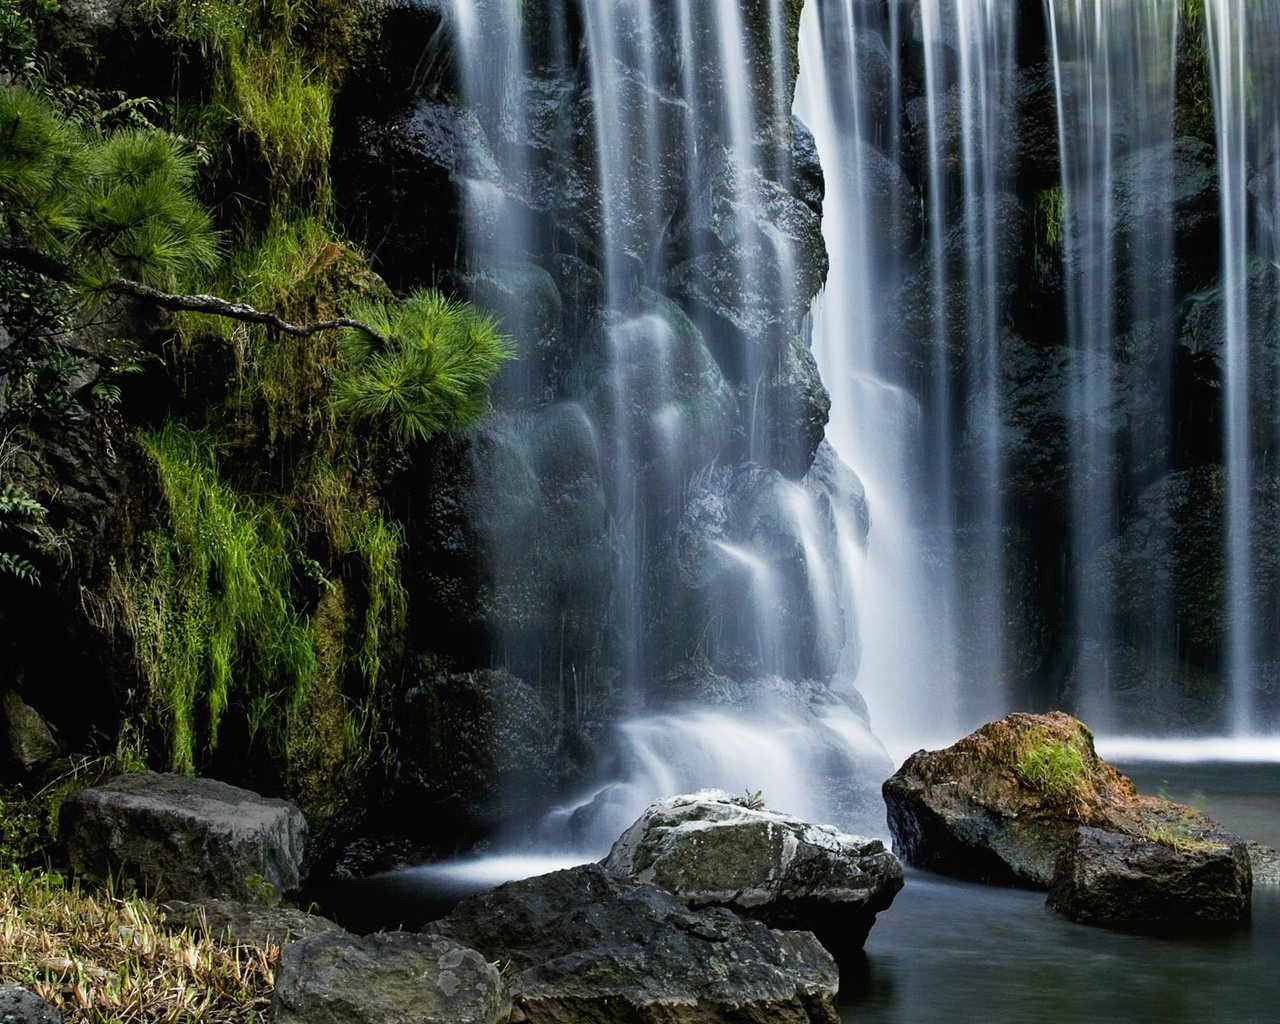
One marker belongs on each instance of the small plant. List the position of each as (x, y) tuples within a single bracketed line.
[(260, 892), (17, 506), (752, 800), (1055, 769)]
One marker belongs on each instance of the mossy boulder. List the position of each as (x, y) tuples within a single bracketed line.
[(1027, 801), (712, 849)]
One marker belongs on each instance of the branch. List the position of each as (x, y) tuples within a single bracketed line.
[(216, 306), (30, 258)]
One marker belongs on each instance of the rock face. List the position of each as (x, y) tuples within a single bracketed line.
[(25, 742), (183, 838), (246, 924), (21, 1006), (584, 946), (709, 850), (336, 978), (968, 811), (1027, 801), (1106, 878)]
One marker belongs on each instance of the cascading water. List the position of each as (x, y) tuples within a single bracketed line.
[(1114, 82)]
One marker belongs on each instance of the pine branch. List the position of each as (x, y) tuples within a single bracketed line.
[(30, 258)]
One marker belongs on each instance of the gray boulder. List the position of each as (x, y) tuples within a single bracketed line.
[(1120, 881), (26, 743), (184, 838), (387, 977), (585, 947), (19, 1005), (245, 924), (1265, 861), (709, 849)]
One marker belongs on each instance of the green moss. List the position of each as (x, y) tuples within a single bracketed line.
[(1056, 769)]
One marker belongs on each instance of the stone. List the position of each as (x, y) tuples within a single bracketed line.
[(19, 1005), (183, 838), (26, 742), (245, 924), (710, 849), (386, 977), (1265, 862), (970, 811), (1121, 881), (585, 947)]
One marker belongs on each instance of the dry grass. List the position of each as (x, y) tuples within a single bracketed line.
[(103, 959)]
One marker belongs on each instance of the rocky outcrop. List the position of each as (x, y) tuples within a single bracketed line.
[(184, 838), (26, 744), (1123, 881), (19, 1005), (710, 849), (585, 947), (1265, 862), (1027, 801), (337, 978), (245, 924), (980, 809)]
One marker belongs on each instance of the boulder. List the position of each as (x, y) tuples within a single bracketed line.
[(712, 849), (336, 978), (245, 924), (1265, 862), (26, 743), (183, 838), (584, 946), (19, 1005), (1027, 801), (1122, 881)]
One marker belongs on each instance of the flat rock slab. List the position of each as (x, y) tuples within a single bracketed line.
[(585, 947), (709, 849), (19, 1005), (245, 924), (186, 839), (1120, 881), (386, 978)]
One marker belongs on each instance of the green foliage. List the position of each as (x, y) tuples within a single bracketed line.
[(433, 376), (43, 168), (752, 800), (1055, 769), (259, 891), (16, 508), (20, 839), (1048, 217)]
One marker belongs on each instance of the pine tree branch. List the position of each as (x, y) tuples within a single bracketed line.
[(216, 306), (30, 258)]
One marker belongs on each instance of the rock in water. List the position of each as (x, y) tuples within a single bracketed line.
[(585, 947), (386, 978), (186, 839), (1001, 804), (1027, 801), (22, 1006), (708, 849), (1120, 881)]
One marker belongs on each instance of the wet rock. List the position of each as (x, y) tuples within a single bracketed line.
[(337, 978), (1197, 879), (473, 749), (184, 838), (245, 924), (1265, 862), (979, 810), (794, 404), (26, 744), (19, 1005), (586, 947), (807, 181), (709, 849)]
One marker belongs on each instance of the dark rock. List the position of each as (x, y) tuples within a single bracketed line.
[(584, 947), (807, 181), (473, 749), (1122, 881), (245, 924), (26, 743), (1265, 862), (708, 849), (90, 24), (794, 405), (970, 811), (19, 1005), (337, 978), (184, 838)]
